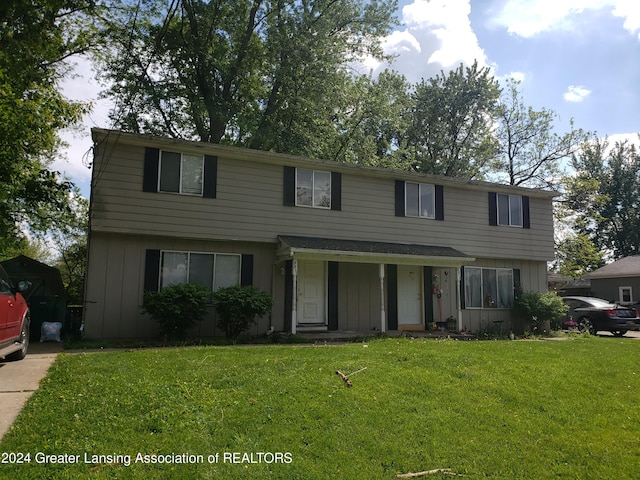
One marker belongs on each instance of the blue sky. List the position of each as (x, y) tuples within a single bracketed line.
[(579, 58)]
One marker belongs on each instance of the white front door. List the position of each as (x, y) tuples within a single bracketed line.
[(311, 293), (410, 298)]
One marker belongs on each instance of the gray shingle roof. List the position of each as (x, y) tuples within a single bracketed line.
[(625, 267)]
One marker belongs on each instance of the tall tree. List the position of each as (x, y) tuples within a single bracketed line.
[(605, 196), (576, 255), (36, 38), (451, 123), (268, 74), (530, 150)]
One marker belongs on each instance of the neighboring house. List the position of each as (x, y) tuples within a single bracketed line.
[(618, 282), (339, 246)]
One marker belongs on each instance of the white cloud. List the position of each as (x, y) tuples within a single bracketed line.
[(81, 87), (576, 93), (437, 36), (527, 18)]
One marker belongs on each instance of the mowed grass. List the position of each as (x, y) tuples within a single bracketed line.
[(495, 409)]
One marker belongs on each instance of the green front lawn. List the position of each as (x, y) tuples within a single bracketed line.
[(499, 410)]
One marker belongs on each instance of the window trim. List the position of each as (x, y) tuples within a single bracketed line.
[(621, 289), (466, 271), (313, 188), (181, 192), (189, 253), (406, 199)]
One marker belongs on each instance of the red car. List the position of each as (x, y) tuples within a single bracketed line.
[(14, 319)]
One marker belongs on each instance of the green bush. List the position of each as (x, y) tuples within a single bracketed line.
[(176, 308), (238, 306), (535, 308)]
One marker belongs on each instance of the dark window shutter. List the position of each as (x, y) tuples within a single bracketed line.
[(152, 270), (332, 295), (427, 274), (400, 198), (462, 305), (392, 297), (289, 186), (150, 171), (439, 202), (246, 270), (336, 191), (288, 294), (526, 220), (517, 284), (493, 208), (210, 176)]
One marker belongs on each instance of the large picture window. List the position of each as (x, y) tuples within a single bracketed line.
[(181, 173), (313, 188), (420, 200), (510, 210), (211, 270), (488, 287)]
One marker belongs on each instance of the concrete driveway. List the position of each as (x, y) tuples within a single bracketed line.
[(18, 380)]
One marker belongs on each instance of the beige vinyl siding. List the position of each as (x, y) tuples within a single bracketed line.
[(359, 297), (115, 283), (249, 206)]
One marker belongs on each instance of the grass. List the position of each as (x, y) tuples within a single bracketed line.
[(499, 410)]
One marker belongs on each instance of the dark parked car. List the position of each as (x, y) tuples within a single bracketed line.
[(14, 319), (593, 314)]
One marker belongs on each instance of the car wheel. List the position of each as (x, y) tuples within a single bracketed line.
[(586, 325), (24, 342), (618, 333)]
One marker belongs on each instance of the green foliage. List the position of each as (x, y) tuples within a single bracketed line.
[(36, 38), (268, 74), (603, 196), (535, 308), (451, 123), (530, 150), (177, 307), (238, 306), (576, 255)]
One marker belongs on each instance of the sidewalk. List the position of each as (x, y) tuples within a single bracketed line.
[(18, 380)]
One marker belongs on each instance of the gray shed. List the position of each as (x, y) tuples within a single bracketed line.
[(46, 298)]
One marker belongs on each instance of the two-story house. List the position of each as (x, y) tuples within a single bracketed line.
[(338, 246)]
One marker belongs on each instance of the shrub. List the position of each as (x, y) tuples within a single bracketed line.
[(535, 308), (176, 308), (238, 306)]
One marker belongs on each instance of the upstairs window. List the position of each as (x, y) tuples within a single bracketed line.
[(181, 173), (313, 188), (510, 210), (420, 200)]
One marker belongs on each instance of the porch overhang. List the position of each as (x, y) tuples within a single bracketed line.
[(362, 251)]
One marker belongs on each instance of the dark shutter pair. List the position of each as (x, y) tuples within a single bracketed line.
[(289, 195), (400, 200), (152, 169), (493, 210), (152, 270)]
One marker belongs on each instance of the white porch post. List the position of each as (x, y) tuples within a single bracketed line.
[(294, 300), (459, 296), (383, 315)]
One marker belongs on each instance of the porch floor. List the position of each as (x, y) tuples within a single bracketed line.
[(349, 336)]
